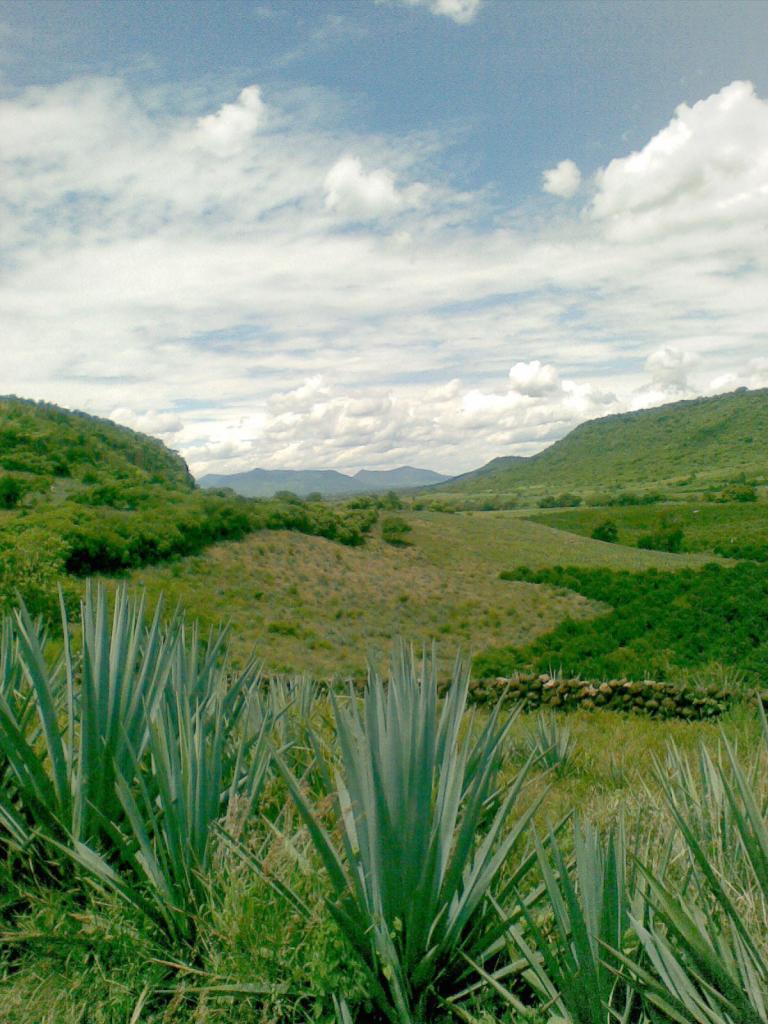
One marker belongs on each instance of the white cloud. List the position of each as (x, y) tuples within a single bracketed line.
[(563, 180), (535, 379), (233, 125), (352, 192), (460, 11), (217, 301), (669, 368), (156, 424), (707, 168)]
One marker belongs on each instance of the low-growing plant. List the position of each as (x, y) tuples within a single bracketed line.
[(551, 743), (705, 945), (569, 947), (424, 834)]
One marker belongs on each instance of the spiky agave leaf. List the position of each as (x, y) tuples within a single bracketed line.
[(419, 853), (590, 905), (709, 958)]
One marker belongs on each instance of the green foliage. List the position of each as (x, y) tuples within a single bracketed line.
[(738, 493), (564, 500), (551, 743), (666, 540), (11, 491), (42, 439), (711, 436), (708, 964), (606, 531), (421, 852), (734, 529), (571, 961), (394, 530), (660, 622), (122, 754)]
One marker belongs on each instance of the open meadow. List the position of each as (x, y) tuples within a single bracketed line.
[(305, 604)]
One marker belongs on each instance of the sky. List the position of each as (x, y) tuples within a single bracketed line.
[(360, 234)]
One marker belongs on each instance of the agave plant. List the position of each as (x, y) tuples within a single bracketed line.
[(707, 945), (188, 785), (424, 835), (551, 742), (569, 952), (82, 721), (123, 754)]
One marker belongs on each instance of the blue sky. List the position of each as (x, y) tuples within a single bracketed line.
[(346, 234)]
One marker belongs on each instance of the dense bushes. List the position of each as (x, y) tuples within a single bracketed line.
[(11, 491), (41, 438), (659, 623), (565, 500), (669, 539), (143, 526), (606, 531), (111, 540), (394, 530)]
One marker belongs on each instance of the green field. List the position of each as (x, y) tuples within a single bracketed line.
[(305, 604), (706, 526)]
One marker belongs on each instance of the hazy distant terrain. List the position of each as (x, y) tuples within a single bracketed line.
[(264, 483)]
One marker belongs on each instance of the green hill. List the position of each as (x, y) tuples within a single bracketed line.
[(81, 495), (717, 438), (42, 440)]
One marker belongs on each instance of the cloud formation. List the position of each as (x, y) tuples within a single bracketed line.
[(231, 127), (563, 180), (707, 168), (460, 11), (350, 191), (260, 286)]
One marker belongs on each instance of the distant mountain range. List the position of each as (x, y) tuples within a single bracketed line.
[(263, 483)]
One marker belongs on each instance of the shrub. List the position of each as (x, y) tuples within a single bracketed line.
[(659, 622), (394, 531), (663, 540), (11, 491), (606, 531), (565, 500)]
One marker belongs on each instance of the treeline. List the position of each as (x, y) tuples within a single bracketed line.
[(659, 624)]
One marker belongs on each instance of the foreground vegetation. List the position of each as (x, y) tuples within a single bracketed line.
[(182, 842)]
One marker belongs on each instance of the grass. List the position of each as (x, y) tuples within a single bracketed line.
[(306, 604), (705, 525)]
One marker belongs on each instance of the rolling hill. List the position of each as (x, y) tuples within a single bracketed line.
[(718, 438), (39, 439), (81, 495), (264, 483)]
